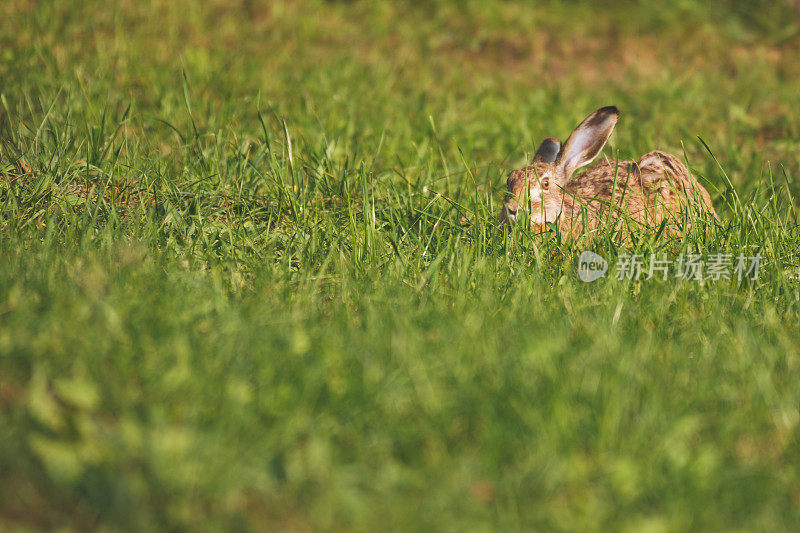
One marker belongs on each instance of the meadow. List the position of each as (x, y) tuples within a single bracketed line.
[(251, 275)]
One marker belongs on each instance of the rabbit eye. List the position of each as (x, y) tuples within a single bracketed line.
[(545, 183)]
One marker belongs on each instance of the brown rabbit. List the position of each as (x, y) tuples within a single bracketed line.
[(656, 187)]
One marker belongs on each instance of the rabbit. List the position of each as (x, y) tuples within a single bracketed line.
[(656, 187)]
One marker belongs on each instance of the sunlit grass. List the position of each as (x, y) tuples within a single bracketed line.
[(251, 275)]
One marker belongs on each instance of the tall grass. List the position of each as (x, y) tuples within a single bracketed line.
[(251, 275)]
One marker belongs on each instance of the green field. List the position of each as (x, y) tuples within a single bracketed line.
[(251, 276)]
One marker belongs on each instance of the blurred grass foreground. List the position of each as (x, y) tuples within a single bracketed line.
[(251, 276)]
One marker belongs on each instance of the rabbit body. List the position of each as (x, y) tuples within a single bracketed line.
[(654, 188)]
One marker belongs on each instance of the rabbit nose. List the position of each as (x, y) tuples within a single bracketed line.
[(512, 207)]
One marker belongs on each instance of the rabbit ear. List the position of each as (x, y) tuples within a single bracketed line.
[(587, 140), (547, 151)]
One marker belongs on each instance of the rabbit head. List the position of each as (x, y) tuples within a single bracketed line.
[(540, 185)]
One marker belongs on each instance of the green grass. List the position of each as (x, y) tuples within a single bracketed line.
[(251, 276)]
